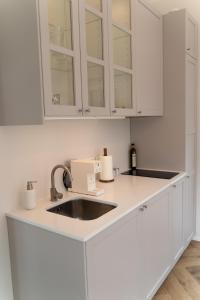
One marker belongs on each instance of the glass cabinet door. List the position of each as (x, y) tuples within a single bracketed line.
[(121, 57), (94, 57), (61, 58)]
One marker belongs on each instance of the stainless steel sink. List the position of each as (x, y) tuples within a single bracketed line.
[(82, 209)]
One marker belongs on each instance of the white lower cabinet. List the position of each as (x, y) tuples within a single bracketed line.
[(176, 219), (188, 209), (154, 241), (114, 262), (129, 260)]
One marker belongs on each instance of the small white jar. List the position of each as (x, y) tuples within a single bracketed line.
[(29, 201)]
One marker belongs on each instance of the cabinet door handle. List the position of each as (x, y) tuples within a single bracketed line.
[(139, 112), (87, 110), (114, 111), (141, 208), (174, 185), (80, 110), (188, 49), (145, 206)]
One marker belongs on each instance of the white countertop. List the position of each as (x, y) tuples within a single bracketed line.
[(128, 192)]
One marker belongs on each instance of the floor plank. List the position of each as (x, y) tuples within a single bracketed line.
[(183, 283), (175, 289), (189, 283)]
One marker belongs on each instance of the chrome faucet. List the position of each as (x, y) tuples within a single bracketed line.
[(55, 195)]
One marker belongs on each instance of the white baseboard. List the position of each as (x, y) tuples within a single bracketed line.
[(196, 238)]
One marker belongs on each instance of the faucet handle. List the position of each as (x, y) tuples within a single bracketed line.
[(55, 195), (59, 195)]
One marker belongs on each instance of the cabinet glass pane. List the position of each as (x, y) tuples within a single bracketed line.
[(97, 4), (60, 25), (121, 48), (62, 77), (123, 89), (96, 85), (121, 12), (94, 35)]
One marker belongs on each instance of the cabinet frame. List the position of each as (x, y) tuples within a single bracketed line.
[(51, 110), (87, 109), (122, 111)]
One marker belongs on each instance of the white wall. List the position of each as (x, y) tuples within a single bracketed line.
[(193, 7), (30, 152)]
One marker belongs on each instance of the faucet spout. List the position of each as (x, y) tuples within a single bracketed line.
[(55, 195)]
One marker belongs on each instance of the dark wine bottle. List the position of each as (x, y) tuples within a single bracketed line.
[(133, 158)]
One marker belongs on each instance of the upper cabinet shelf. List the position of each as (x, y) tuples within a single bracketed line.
[(83, 58)]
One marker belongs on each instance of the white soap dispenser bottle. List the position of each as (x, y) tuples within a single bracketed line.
[(30, 196)]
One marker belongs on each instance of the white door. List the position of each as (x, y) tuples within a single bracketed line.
[(149, 59), (122, 63), (188, 208), (114, 266), (191, 95), (155, 242), (60, 57), (191, 36), (94, 57), (176, 219)]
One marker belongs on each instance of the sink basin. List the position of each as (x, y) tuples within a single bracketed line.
[(82, 209)]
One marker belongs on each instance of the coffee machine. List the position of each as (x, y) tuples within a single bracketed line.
[(84, 177)]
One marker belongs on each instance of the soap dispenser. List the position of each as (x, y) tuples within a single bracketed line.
[(30, 196)]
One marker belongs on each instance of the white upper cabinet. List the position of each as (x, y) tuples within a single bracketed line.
[(94, 57), (21, 94), (91, 58), (191, 36), (61, 57), (149, 60), (101, 58), (122, 74)]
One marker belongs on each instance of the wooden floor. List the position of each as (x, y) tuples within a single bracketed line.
[(183, 283)]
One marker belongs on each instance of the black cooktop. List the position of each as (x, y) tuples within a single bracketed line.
[(151, 173)]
